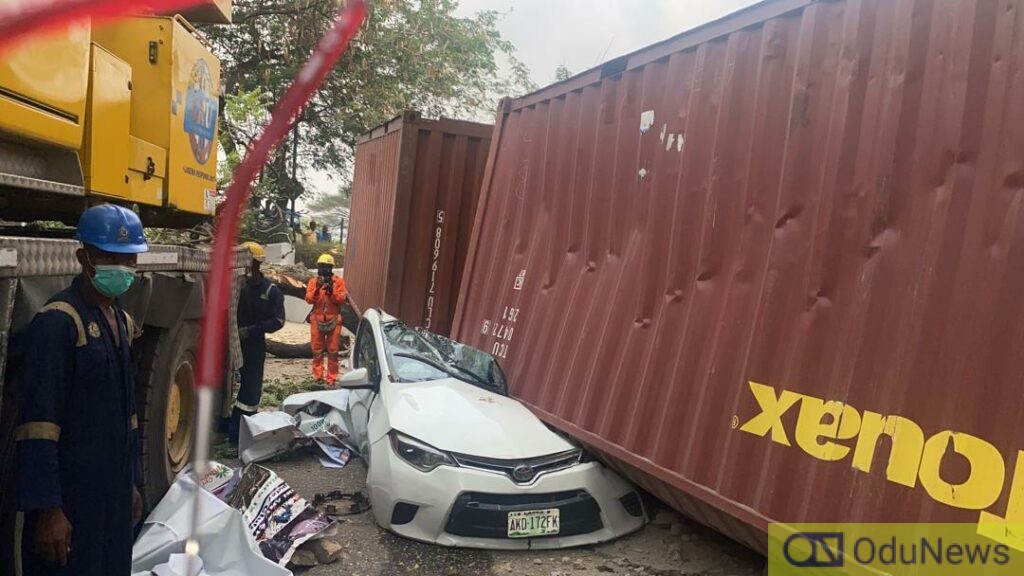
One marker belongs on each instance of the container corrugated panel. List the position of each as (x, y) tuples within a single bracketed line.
[(773, 267), (372, 218), (414, 199)]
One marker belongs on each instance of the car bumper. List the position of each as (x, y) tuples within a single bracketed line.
[(468, 508)]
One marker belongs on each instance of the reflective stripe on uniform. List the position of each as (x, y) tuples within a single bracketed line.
[(37, 431), (246, 407), (135, 422), (133, 330), (327, 327), (70, 311)]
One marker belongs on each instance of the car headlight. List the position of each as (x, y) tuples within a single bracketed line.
[(419, 455)]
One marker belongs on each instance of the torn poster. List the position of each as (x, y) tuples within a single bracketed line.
[(646, 121), (226, 545), (275, 517), (278, 518)]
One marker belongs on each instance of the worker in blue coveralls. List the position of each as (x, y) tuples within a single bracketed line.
[(79, 468), (260, 312)]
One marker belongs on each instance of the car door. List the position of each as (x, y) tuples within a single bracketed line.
[(364, 355)]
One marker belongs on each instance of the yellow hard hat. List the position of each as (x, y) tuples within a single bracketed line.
[(325, 259), (258, 254)]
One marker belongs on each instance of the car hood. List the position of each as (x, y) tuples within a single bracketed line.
[(458, 417)]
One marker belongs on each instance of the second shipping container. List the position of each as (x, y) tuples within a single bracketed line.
[(414, 199)]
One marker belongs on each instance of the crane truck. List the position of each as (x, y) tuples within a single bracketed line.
[(126, 113)]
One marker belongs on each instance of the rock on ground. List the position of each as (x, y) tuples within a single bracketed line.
[(665, 519), (326, 550), (303, 559)]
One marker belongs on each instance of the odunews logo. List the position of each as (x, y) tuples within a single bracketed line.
[(815, 549), (893, 549)]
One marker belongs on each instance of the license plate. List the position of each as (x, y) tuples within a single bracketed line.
[(533, 523)]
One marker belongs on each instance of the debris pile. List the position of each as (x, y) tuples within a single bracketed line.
[(226, 545), (305, 418), (252, 524)]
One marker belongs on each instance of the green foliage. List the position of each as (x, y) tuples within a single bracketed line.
[(243, 117), (275, 391), (562, 73), (241, 120), (332, 209), (410, 54), (225, 452), (307, 254), (332, 203), (51, 225)]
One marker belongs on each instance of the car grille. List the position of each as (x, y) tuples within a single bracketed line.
[(479, 515), (521, 471)]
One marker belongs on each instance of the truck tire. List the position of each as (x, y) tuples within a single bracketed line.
[(166, 405)]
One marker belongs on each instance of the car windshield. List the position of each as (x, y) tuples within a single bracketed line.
[(417, 355)]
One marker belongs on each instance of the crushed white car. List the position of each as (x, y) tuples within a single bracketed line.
[(454, 461)]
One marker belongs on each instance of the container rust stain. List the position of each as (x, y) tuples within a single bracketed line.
[(414, 199), (772, 267)]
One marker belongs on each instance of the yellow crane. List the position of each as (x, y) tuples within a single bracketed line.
[(123, 112)]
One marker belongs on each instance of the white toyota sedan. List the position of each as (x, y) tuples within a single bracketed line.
[(454, 461)]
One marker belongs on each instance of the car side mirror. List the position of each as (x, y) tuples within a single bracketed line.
[(358, 379)]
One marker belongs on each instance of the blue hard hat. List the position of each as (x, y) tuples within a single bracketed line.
[(112, 228)]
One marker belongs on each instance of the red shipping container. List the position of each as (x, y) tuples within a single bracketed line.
[(414, 199), (773, 267)]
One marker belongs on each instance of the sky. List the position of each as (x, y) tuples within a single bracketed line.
[(582, 34)]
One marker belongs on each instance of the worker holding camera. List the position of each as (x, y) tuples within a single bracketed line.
[(327, 294)]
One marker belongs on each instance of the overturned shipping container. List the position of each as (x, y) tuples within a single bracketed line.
[(414, 199), (773, 267)]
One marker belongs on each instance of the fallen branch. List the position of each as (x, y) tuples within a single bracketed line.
[(284, 350), (292, 280), (302, 350)]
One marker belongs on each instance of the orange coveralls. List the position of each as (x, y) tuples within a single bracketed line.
[(325, 326)]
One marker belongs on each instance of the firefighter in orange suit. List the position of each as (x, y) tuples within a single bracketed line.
[(326, 293)]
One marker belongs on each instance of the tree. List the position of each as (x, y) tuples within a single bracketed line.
[(331, 209), (410, 54), (562, 73)]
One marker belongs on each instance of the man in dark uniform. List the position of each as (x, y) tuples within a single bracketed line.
[(260, 312), (79, 468)]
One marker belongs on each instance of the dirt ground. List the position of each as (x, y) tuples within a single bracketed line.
[(296, 370), (669, 546), (292, 333), (276, 369)]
